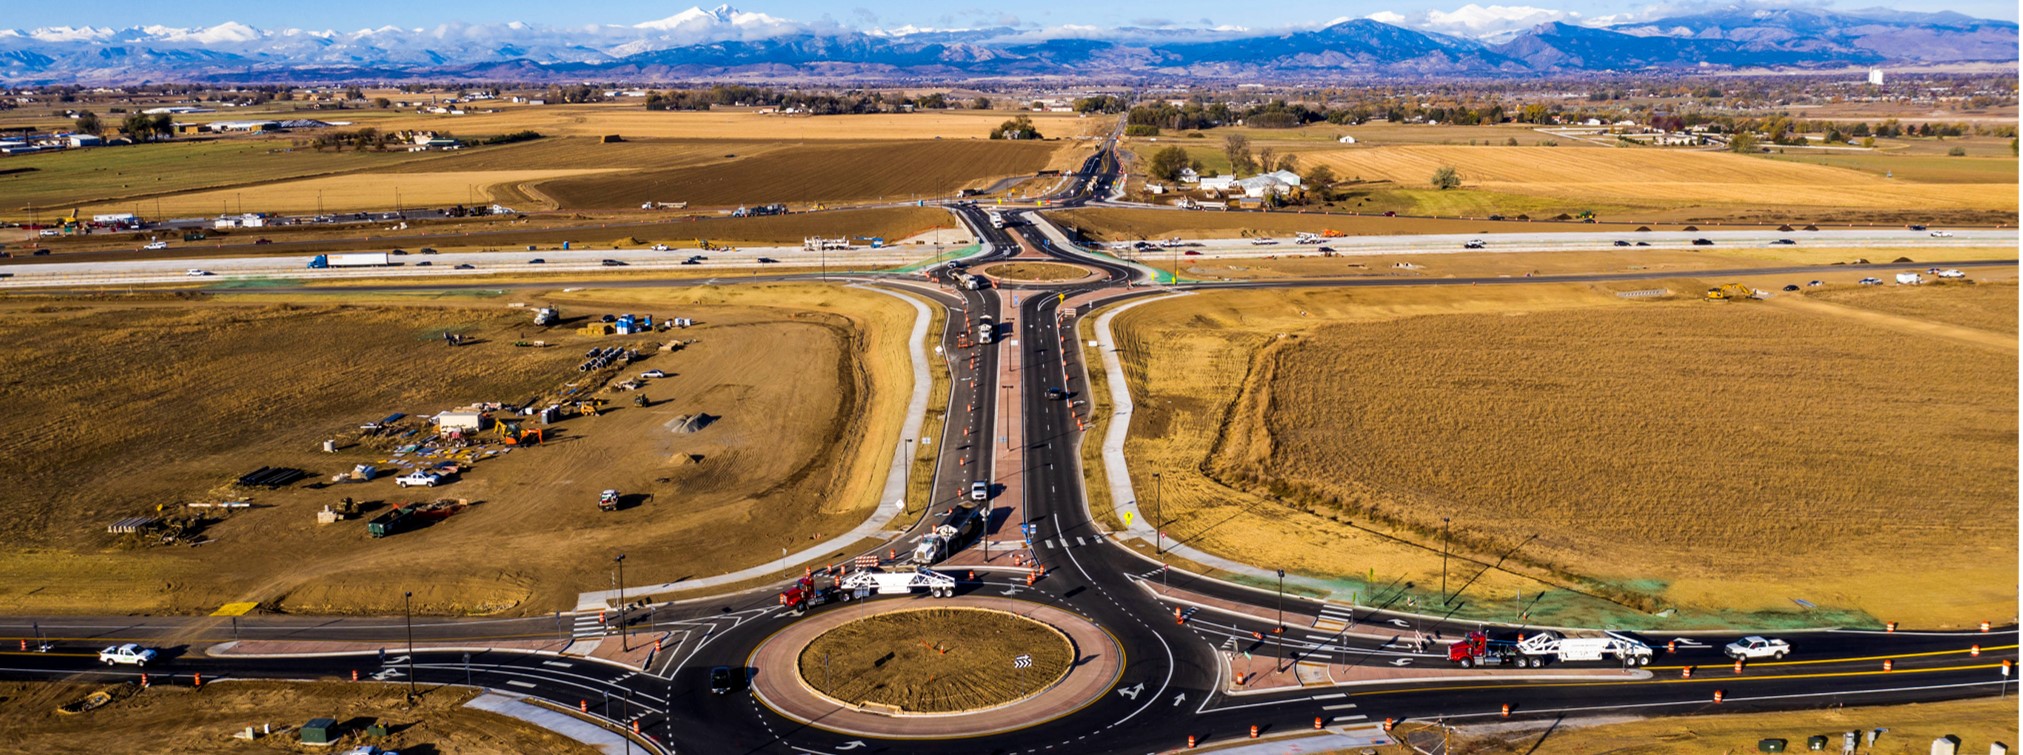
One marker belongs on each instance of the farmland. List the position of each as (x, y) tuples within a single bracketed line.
[(218, 387), (1129, 224), (1652, 261), (823, 173), (1908, 730), (130, 179), (632, 120), (935, 659), (167, 718), (1532, 412)]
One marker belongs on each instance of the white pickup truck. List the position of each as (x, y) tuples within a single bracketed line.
[(1753, 647), (128, 654), (424, 479)]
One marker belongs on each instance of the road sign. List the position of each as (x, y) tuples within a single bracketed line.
[(1127, 518), (1022, 661)]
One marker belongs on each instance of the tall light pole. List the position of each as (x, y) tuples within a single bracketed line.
[(407, 607), (1158, 510), (1278, 631), (1443, 562), (623, 638)]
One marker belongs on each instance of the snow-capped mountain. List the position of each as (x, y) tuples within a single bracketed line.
[(1478, 40)]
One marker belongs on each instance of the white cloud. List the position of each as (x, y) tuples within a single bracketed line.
[(1382, 17), (1477, 21)]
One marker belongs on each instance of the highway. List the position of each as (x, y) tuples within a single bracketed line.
[(1175, 677)]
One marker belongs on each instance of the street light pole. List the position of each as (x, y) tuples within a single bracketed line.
[(407, 607), (623, 638), (1158, 511), (1278, 630), (1443, 562)]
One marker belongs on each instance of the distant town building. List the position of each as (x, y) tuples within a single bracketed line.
[(1875, 76)]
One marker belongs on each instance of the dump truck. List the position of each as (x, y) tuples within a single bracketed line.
[(391, 522), (957, 526), (1536, 649), (374, 259), (809, 592)]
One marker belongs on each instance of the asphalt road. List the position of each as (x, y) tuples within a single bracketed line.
[(1172, 678)]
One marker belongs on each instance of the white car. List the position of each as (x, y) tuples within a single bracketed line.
[(1475, 244), (196, 273), (653, 374), (1871, 281), (1753, 647), (424, 479), (154, 245), (1942, 234), (129, 654), (660, 247), (1951, 274), (979, 490)]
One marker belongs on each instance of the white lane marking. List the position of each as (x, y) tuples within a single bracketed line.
[(1349, 718), (558, 664), (518, 683), (1338, 707), (1335, 696)]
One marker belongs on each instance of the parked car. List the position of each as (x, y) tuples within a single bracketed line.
[(129, 654), (1791, 287), (653, 374), (1815, 283), (154, 245), (979, 490), (1870, 281), (721, 680), (424, 479), (1753, 647)]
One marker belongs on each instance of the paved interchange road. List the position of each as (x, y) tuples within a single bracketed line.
[(1174, 677)]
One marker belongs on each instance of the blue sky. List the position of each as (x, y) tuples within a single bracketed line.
[(355, 14)]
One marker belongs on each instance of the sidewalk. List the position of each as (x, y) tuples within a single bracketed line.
[(890, 502), (561, 723)]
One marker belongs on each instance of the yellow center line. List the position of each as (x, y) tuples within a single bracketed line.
[(1749, 664), (1700, 680)]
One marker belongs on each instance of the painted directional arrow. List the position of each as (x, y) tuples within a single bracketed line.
[(1132, 691), (850, 745), (1400, 623), (1178, 698), (386, 674), (1402, 662)]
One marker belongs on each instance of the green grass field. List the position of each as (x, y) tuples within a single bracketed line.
[(139, 172)]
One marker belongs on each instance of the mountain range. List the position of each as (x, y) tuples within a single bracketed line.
[(728, 43)]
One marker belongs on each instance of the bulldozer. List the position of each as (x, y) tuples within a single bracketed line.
[(1731, 292)]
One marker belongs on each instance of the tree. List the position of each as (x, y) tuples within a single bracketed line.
[(1237, 148), (87, 123), (1266, 158), (1020, 127), (980, 103), (1446, 178), (382, 103), (1319, 182), (1167, 163), (1289, 163), (1742, 141), (1957, 152)]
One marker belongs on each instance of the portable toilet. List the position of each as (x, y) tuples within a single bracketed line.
[(320, 731), (565, 246)]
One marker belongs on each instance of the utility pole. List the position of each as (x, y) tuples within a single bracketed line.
[(407, 606), (623, 638)]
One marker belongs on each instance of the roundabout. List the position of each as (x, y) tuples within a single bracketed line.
[(961, 667)]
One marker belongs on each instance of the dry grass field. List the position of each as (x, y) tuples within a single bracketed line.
[(1911, 729), (1990, 308), (935, 660), (1331, 431), (1133, 224), (1662, 179), (131, 179), (181, 719), (355, 191), (1519, 264), (124, 407), (1036, 271), (811, 173)]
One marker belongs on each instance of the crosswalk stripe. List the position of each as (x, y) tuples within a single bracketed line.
[(1079, 541), (1050, 542), (518, 683)]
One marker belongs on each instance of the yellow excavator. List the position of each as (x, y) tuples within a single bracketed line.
[(1730, 292)]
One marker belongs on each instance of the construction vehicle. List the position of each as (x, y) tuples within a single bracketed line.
[(607, 500), (390, 522), (1732, 292), (899, 580), (808, 593), (956, 528), (546, 316), (986, 329), (639, 400), (1536, 649)]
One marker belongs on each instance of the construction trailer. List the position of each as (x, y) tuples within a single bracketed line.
[(811, 591), (817, 244), (898, 580), (1535, 649)]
